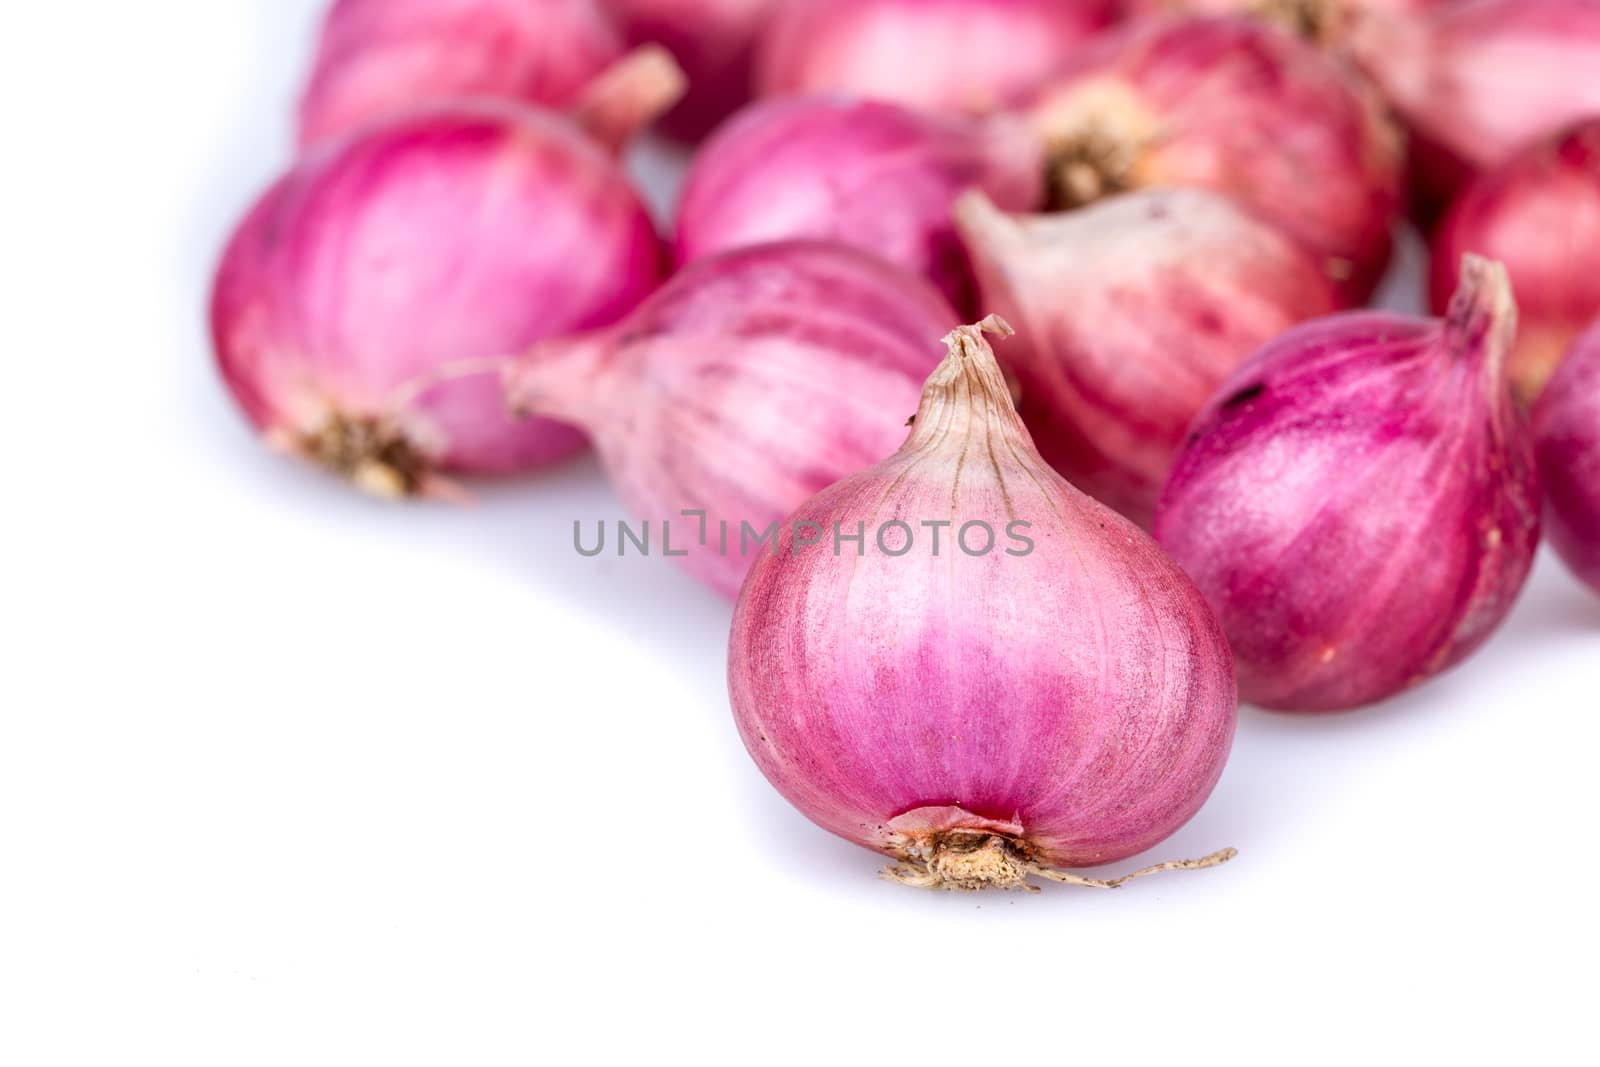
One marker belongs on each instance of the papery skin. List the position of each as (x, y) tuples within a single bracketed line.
[(714, 41), (875, 175), (371, 270), (1077, 701), (1242, 108), (1359, 503), (962, 57), (1539, 214), (1129, 314), (1567, 426), (1478, 80), (748, 383), (379, 57)]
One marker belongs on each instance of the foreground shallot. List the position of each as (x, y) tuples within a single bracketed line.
[(875, 175), (1567, 423), (961, 57), (1359, 503), (1241, 108), (1540, 216), (356, 297), (1130, 313), (958, 660), (380, 57), (749, 382)]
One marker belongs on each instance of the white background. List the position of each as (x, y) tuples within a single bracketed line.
[(288, 776)]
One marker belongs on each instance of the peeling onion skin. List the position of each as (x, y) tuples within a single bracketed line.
[(376, 58), (875, 175), (748, 383), (1567, 425), (1077, 702), (1241, 108), (354, 288), (1130, 313), (954, 57), (1478, 80), (1540, 216), (713, 40), (1359, 503)]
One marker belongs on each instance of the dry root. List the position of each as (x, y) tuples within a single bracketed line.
[(967, 860), (371, 452), (1089, 165)]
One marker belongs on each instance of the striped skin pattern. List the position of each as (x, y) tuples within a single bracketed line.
[(1540, 216), (1359, 503), (751, 381), (377, 58), (1077, 701), (1129, 314), (1567, 422), (875, 175), (467, 233), (1239, 107)]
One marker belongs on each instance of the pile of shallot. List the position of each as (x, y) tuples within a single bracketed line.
[(1008, 361)]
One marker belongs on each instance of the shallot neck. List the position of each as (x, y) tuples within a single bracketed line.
[(1481, 324), (1087, 165), (967, 393)]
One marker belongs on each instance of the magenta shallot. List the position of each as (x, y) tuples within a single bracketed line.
[(713, 41), (358, 301), (1241, 108), (875, 175), (1478, 80), (1540, 216), (956, 659), (749, 382), (1129, 314), (960, 57), (380, 57), (1567, 422), (1359, 502)]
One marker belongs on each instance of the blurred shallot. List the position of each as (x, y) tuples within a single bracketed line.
[(362, 306), (749, 382), (1539, 214), (1568, 426)]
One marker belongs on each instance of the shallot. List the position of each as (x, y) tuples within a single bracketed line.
[(712, 40), (378, 57), (956, 659), (356, 303), (1567, 423), (1359, 502), (749, 382), (1236, 106), (1478, 80), (1540, 216), (949, 56), (876, 175), (1130, 313)]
